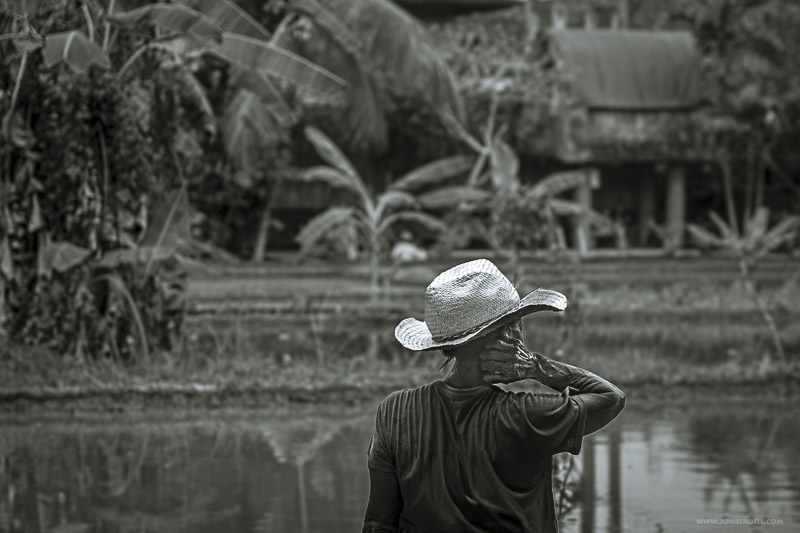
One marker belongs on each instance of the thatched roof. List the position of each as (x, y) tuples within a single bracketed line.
[(631, 70), (468, 4)]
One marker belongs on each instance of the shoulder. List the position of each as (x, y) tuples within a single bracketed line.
[(404, 398)]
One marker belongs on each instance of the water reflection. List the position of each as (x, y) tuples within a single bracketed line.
[(305, 471)]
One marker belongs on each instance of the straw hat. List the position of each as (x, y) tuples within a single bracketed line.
[(465, 302)]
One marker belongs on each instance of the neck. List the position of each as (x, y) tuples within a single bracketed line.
[(466, 372)]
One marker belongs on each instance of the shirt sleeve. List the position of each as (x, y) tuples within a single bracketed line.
[(552, 422), (379, 456)]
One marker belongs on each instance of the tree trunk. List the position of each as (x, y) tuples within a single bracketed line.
[(262, 237), (374, 272), (263, 234)]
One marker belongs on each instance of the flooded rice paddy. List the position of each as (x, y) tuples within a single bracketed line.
[(655, 469), (659, 468)]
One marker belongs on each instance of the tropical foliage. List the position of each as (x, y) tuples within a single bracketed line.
[(382, 52), (752, 243), (372, 216), (517, 215), (114, 103), (751, 53)]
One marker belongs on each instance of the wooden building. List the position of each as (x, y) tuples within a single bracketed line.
[(582, 90), (625, 104)]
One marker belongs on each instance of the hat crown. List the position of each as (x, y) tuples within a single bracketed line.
[(466, 297)]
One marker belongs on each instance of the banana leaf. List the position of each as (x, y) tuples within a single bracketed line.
[(260, 55), (374, 44), (425, 219), (229, 16), (74, 49), (559, 183), (332, 155), (247, 128), (173, 18), (453, 196), (322, 224), (36, 221), (505, 167), (755, 227), (703, 237), (391, 199), (61, 256), (331, 176), (435, 172), (6, 261), (783, 232)]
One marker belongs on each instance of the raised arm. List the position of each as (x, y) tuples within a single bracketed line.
[(507, 359)]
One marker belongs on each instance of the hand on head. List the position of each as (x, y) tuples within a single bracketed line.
[(503, 358)]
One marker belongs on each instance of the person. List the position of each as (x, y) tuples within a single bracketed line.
[(462, 454)]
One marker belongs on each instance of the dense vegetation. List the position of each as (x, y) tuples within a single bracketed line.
[(139, 137)]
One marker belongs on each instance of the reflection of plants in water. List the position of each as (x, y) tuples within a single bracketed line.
[(741, 448), (566, 478)]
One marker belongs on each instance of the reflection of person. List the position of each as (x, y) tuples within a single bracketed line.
[(460, 454)]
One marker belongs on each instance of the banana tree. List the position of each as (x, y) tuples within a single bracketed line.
[(750, 245), (537, 207), (371, 215), (381, 51)]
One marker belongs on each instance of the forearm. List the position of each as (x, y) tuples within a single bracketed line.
[(603, 399)]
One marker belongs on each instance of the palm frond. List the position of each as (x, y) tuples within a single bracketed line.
[(230, 16), (425, 219), (260, 55), (452, 196), (434, 173), (171, 17), (393, 199), (74, 49), (322, 224), (247, 129)]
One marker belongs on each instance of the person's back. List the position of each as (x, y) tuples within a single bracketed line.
[(461, 454), (475, 459)]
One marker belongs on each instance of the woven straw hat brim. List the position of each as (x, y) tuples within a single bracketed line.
[(415, 335)]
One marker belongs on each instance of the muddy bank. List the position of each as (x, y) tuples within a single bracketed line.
[(185, 398)]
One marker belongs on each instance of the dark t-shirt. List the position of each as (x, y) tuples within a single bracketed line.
[(475, 460)]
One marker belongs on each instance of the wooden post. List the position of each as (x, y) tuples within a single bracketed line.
[(624, 13), (559, 16), (588, 18), (583, 197), (647, 209), (676, 207)]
